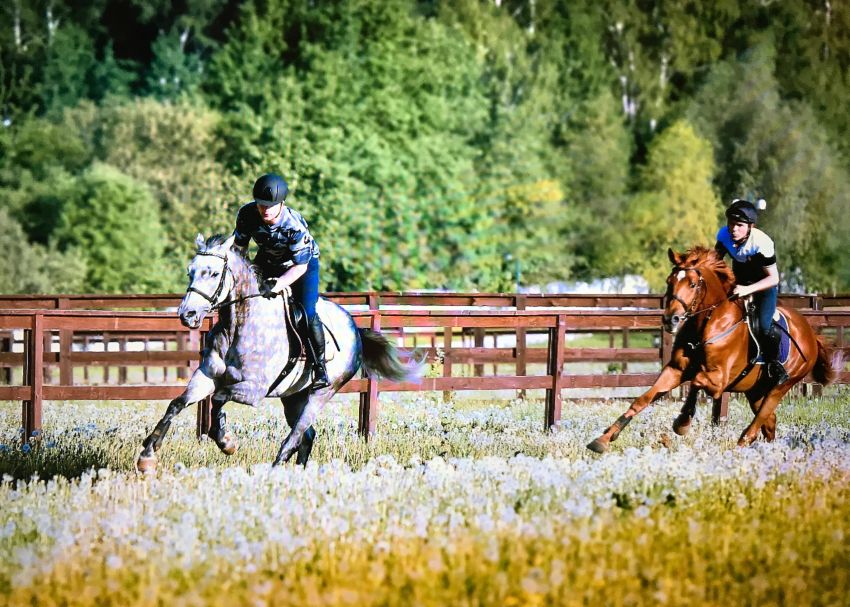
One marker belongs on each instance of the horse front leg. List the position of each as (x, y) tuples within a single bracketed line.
[(223, 438), (669, 379), (200, 386), (682, 423), (291, 444)]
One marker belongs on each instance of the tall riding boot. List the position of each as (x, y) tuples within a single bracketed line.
[(770, 354), (317, 351)]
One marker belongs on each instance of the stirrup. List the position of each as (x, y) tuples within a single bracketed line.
[(320, 378), (776, 371)]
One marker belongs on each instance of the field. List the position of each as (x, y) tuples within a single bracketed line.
[(466, 503)]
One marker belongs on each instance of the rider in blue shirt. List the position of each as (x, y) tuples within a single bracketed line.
[(287, 256), (756, 273)]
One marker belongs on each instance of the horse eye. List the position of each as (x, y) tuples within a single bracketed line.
[(693, 285)]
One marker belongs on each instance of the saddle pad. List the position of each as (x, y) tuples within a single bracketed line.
[(784, 341)]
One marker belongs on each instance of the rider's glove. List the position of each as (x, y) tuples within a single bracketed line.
[(266, 288)]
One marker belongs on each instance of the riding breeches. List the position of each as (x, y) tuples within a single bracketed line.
[(766, 304), (305, 290)]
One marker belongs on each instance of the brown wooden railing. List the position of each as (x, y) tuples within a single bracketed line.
[(443, 328)]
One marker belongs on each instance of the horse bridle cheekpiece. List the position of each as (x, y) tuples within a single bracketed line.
[(224, 270), (699, 285)]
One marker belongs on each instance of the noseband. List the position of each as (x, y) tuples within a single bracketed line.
[(224, 271)]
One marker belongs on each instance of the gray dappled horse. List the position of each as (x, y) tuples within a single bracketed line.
[(248, 347)]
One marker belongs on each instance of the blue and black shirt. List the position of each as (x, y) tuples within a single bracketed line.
[(284, 244), (750, 258)]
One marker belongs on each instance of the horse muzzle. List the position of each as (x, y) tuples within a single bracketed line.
[(672, 323), (191, 318)]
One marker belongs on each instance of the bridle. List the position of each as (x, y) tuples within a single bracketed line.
[(218, 290), (698, 297)]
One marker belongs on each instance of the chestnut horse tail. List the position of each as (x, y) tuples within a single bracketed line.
[(827, 367)]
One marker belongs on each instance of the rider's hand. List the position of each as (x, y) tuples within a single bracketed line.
[(267, 289), (740, 291)]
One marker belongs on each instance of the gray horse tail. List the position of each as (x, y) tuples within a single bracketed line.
[(381, 359)]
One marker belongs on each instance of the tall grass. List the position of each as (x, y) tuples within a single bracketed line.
[(462, 503)]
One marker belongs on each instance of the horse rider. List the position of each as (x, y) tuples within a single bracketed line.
[(287, 256), (754, 264)]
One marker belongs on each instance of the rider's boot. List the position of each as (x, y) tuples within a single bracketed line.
[(770, 354), (316, 335)]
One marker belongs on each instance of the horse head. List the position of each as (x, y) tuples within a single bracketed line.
[(210, 280), (686, 286)]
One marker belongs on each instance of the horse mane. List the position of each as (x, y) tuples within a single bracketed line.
[(705, 258), (241, 253)]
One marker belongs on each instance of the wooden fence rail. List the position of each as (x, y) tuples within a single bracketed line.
[(555, 325)]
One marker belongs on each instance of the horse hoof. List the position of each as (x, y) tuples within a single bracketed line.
[(745, 441), (146, 464), (598, 446), (681, 425), (228, 445)]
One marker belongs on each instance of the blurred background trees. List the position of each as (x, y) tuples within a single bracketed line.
[(429, 144)]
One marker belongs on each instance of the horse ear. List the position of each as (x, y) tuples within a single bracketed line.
[(229, 242), (200, 241), (675, 258)]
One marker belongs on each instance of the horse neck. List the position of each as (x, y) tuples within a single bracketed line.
[(245, 280), (714, 291)]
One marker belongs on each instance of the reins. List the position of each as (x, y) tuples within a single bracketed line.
[(698, 298)]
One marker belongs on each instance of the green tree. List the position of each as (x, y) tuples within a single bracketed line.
[(33, 268), (776, 149), (113, 220), (677, 206)]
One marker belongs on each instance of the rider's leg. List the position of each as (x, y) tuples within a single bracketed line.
[(770, 336), (305, 291)]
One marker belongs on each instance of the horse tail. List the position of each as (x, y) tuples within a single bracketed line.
[(381, 358), (827, 367)]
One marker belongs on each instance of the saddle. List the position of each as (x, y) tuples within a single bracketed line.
[(297, 331), (754, 349)]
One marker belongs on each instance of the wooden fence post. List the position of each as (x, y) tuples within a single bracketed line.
[(34, 376), (66, 346), (521, 344), (478, 342), (368, 414), (7, 345), (555, 370), (122, 370), (447, 360)]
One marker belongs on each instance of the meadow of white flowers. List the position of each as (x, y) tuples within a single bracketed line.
[(462, 503)]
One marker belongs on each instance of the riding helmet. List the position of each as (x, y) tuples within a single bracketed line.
[(270, 189), (742, 210)]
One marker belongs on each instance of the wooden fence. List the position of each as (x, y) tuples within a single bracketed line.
[(550, 320)]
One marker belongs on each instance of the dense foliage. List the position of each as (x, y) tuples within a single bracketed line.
[(430, 144)]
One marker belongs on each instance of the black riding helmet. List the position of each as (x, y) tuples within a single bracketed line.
[(270, 189), (744, 210)]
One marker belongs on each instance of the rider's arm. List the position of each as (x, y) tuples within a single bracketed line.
[(242, 233), (720, 248), (289, 277), (770, 280)]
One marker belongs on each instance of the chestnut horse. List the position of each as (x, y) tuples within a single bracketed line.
[(711, 349)]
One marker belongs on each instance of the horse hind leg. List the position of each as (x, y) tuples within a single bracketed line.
[(219, 433), (682, 423), (765, 419), (293, 407)]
